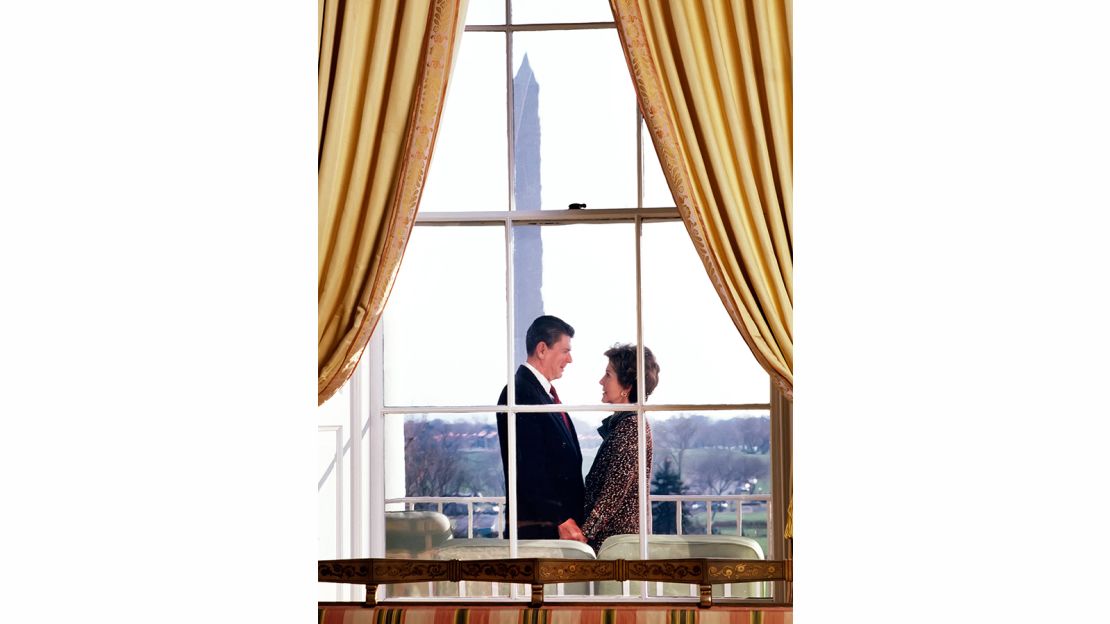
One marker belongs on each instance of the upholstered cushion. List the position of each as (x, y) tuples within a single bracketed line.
[(683, 547), (492, 548), (412, 535), (414, 532)]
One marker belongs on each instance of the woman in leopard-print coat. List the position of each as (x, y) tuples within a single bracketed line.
[(612, 504)]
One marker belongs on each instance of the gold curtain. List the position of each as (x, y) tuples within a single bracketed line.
[(714, 83), (383, 71)]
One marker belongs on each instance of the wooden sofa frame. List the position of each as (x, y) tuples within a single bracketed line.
[(537, 572)]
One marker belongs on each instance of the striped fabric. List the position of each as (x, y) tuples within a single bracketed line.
[(555, 615)]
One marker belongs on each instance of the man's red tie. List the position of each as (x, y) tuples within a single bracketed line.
[(566, 420)]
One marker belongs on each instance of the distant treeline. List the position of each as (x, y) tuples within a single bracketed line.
[(711, 456)]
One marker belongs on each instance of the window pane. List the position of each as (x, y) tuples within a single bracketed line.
[(575, 121), (444, 326), (485, 12), (450, 466), (453, 467), (656, 192), (702, 355), (717, 466), (549, 11), (718, 460), (469, 169), (584, 274)]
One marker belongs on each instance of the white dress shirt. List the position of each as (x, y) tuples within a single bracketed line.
[(543, 380)]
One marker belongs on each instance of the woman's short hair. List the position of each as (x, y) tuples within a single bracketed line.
[(623, 359)]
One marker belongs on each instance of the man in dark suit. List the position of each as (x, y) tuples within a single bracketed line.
[(548, 459)]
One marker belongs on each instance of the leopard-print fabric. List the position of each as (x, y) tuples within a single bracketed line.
[(612, 506)]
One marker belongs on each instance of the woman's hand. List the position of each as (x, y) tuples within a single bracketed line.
[(569, 531)]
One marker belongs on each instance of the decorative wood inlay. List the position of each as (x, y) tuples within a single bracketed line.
[(568, 570), (500, 570), (724, 571), (676, 570), (344, 571), (400, 570)]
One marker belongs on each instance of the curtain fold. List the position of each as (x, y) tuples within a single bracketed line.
[(714, 83), (383, 72)]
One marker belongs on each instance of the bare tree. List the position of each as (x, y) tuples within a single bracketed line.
[(432, 463), (754, 433), (678, 435), (722, 434), (718, 472)]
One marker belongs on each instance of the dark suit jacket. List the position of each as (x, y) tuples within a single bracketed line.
[(548, 463)]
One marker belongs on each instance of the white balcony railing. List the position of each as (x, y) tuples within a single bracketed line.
[(713, 504), (440, 502)]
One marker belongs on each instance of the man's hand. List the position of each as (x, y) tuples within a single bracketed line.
[(569, 531)]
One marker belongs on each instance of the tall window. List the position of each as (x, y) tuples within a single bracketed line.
[(541, 115)]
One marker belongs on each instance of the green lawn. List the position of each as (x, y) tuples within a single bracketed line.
[(724, 523)]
